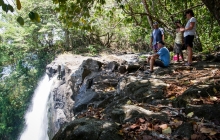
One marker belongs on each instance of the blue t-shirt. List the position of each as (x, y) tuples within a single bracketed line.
[(164, 56), (157, 35)]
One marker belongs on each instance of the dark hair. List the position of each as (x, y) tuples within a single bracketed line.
[(189, 11), (155, 23)]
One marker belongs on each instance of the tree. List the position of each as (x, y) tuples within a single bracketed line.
[(214, 8)]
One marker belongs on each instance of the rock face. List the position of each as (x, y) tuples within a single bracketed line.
[(99, 84), (96, 95), (88, 129)]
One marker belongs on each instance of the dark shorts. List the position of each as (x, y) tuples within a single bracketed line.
[(188, 40), (159, 63), (178, 48), (155, 47)]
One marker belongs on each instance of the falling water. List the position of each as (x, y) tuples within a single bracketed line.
[(36, 116)]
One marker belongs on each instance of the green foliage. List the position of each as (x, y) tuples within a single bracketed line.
[(20, 20), (93, 50), (15, 93), (27, 51), (82, 26)]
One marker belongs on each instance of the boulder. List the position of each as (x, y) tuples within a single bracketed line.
[(89, 129)]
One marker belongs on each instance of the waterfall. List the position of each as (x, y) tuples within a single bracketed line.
[(36, 116)]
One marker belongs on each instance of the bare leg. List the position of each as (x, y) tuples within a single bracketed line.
[(181, 54), (178, 57), (189, 49), (148, 59), (152, 60)]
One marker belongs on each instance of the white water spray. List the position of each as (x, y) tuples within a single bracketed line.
[(36, 117)]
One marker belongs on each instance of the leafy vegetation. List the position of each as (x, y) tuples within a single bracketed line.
[(33, 32)]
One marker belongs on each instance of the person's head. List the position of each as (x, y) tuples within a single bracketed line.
[(178, 23), (160, 44), (155, 24), (189, 13)]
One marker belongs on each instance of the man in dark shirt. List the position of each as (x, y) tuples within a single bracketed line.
[(156, 35)]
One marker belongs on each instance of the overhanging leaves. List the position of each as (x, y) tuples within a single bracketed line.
[(18, 3), (20, 20)]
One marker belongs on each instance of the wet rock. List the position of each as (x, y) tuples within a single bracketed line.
[(51, 69)]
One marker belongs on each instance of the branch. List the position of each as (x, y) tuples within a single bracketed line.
[(154, 18), (131, 10), (166, 10), (201, 4)]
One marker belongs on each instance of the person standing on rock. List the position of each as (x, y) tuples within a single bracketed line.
[(164, 57), (178, 44), (156, 35), (189, 33)]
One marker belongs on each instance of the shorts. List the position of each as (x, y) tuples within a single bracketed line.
[(155, 47), (178, 48), (188, 40), (159, 63)]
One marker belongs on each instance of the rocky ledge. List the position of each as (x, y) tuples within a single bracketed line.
[(110, 97)]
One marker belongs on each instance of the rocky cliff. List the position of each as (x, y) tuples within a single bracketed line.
[(110, 97)]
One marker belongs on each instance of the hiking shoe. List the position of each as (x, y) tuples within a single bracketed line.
[(148, 72), (188, 64)]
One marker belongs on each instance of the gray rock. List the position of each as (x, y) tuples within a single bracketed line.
[(184, 130), (88, 129)]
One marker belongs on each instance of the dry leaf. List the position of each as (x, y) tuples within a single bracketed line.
[(176, 123), (213, 98), (147, 137), (215, 91), (18, 3), (141, 120), (194, 137), (129, 102), (211, 131), (133, 126), (143, 127), (189, 115), (120, 132), (156, 127), (167, 131), (206, 130), (163, 126)]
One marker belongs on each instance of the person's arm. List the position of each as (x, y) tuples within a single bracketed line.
[(192, 24), (155, 55), (163, 37)]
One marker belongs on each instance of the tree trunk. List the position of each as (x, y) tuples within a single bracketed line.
[(214, 8), (150, 21), (67, 39)]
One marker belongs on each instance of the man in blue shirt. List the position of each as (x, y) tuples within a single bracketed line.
[(156, 35), (164, 57)]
